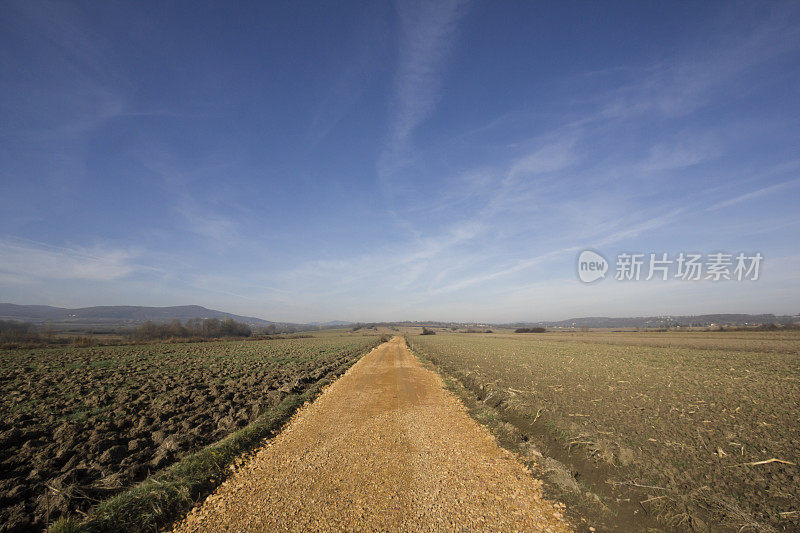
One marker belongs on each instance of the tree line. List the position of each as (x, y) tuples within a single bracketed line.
[(16, 334), (205, 328), (12, 331)]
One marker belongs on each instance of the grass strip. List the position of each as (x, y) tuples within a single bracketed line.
[(168, 494)]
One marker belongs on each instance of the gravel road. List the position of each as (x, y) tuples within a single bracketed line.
[(385, 448)]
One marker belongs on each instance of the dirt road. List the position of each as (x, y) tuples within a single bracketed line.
[(385, 448)]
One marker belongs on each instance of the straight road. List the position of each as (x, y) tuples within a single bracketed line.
[(385, 448)]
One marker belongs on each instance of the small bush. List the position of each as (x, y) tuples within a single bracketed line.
[(426, 331)]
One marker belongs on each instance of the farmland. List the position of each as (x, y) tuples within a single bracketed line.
[(685, 422), (80, 424)]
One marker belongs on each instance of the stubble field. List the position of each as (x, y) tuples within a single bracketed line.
[(681, 421), (78, 425)]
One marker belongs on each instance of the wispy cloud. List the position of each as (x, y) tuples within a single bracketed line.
[(206, 222), (505, 270), (685, 152), (427, 34), (250, 288), (549, 157), (354, 77), (235, 192), (191, 188), (27, 261), (635, 229), (91, 89), (676, 88), (551, 195), (756, 194), (401, 264), (342, 95)]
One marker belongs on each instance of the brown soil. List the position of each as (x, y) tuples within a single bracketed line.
[(78, 425), (386, 447)]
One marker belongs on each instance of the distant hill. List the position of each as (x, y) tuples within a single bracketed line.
[(119, 314), (331, 324), (662, 321), (130, 315)]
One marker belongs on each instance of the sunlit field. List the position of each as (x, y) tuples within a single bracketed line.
[(709, 418)]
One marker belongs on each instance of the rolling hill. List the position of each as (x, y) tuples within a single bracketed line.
[(119, 314)]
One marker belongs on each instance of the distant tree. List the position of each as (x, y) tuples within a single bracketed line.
[(14, 332), (176, 329), (194, 325), (230, 328), (211, 327), (426, 331), (13, 325), (46, 333), (148, 330)]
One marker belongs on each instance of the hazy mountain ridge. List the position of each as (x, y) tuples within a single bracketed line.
[(131, 315), (733, 319), (128, 314)]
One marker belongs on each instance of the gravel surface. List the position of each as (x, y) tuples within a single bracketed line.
[(385, 448)]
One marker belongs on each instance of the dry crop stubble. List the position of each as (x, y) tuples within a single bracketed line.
[(691, 413)]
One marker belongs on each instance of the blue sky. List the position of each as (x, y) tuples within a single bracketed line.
[(382, 161)]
